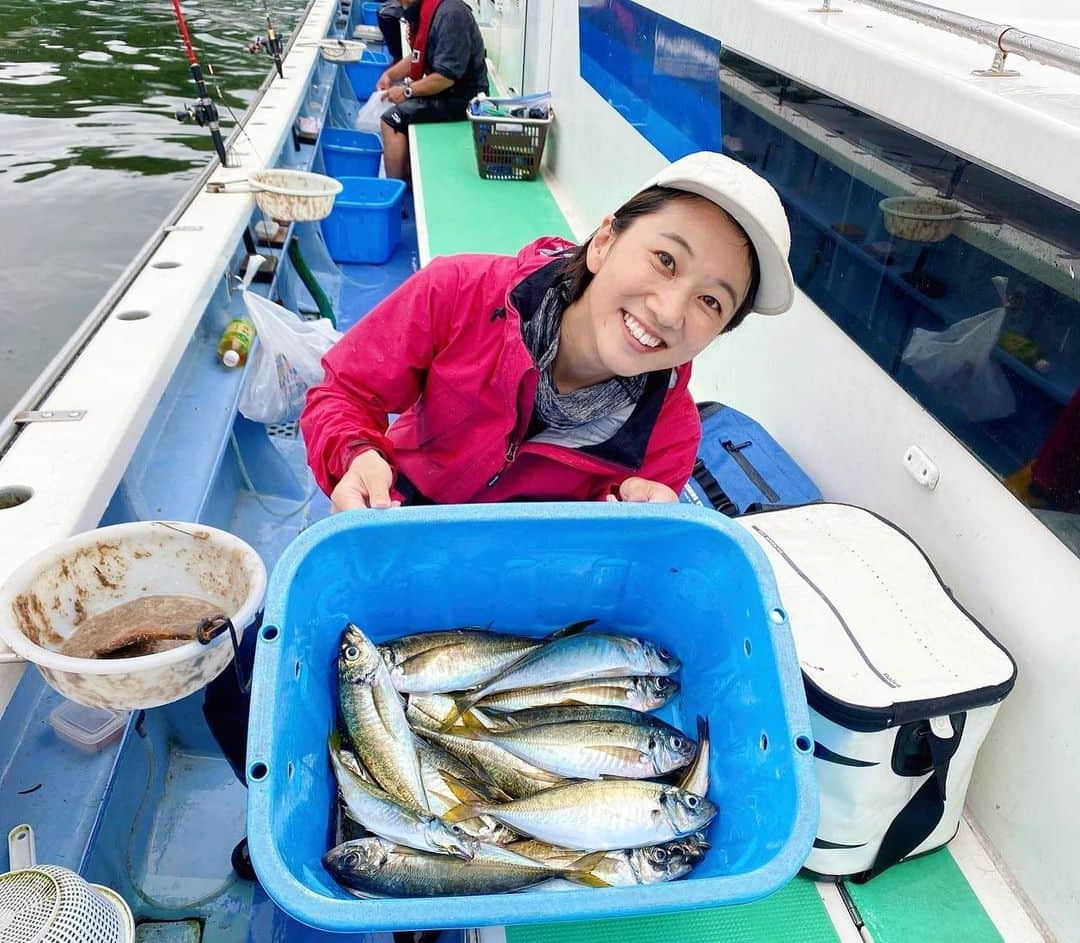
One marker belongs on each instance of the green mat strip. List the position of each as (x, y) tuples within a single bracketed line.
[(794, 914), (927, 898), (464, 212)]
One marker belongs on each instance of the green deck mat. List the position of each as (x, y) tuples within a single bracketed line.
[(466, 213), (794, 914), (927, 898)]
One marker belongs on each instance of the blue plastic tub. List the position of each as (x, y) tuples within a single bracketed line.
[(348, 153), (365, 224), (369, 14), (364, 74), (686, 577)]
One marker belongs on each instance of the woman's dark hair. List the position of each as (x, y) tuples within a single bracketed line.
[(576, 270)]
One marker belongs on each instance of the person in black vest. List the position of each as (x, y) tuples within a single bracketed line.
[(446, 70)]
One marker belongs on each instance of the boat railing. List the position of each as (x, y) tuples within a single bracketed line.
[(1003, 38)]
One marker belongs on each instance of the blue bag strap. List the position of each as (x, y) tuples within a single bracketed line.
[(714, 494)]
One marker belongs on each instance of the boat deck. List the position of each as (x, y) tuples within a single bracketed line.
[(157, 814)]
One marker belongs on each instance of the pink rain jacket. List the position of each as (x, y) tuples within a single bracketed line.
[(445, 352)]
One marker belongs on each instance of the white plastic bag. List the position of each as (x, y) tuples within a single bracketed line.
[(286, 361), (956, 362), (369, 115)]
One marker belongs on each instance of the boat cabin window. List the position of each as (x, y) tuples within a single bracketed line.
[(960, 283)]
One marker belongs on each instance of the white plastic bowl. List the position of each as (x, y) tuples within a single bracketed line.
[(48, 596)]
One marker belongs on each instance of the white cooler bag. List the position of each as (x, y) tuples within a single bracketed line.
[(902, 683)]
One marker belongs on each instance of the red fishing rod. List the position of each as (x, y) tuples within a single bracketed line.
[(204, 112)]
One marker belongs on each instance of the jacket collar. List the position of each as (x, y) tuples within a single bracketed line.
[(629, 445)]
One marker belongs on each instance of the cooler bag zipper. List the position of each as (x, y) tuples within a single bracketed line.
[(735, 451)]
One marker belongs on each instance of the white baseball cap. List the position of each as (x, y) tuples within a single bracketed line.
[(753, 203)]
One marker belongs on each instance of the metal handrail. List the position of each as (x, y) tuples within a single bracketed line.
[(1004, 38)]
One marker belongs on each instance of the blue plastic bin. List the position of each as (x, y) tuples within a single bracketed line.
[(365, 224), (349, 153), (685, 577), (369, 14), (364, 74)]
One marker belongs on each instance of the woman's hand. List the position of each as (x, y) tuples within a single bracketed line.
[(365, 485), (642, 490), (384, 82)]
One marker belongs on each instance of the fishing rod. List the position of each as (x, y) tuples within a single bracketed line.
[(204, 112), (271, 42)]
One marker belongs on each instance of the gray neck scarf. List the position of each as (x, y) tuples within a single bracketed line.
[(567, 410)]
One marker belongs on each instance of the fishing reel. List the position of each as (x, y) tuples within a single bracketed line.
[(204, 112), (271, 44)]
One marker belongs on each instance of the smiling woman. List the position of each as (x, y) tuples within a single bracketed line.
[(560, 374)]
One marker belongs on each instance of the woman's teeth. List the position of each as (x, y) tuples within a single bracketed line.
[(642, 336)]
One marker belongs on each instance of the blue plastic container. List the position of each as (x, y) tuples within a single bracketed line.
[(348, 153), (365, 224), (364, 74), (369, 14), (686, 577)]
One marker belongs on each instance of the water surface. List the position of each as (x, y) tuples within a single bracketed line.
[(91, 155)]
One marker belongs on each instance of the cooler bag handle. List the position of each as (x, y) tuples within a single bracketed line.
[(924, 810)]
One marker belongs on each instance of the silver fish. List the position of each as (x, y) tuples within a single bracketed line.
[(654, 864), (513, 775), (577, 657), (459, 659), (605, 815), (373, 867), (692, 846), (373, 808), (593, 749), (696, 779), (375, 719), (560, 714), (432, 711), (643, 694), (449, 782)]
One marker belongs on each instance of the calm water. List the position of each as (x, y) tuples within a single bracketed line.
[(91, 157)]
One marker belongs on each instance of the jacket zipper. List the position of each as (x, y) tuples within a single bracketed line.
[(508, 458), (735, 451), (514, 449)]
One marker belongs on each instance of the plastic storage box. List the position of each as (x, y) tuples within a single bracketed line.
[(349, 153), (686, 577), (369, 14), (88, 728), (365, 225), (364, 74)]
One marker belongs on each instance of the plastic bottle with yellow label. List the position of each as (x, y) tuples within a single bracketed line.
[(235, 343)]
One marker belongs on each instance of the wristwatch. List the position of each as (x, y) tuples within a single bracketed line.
[(408, 91)]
